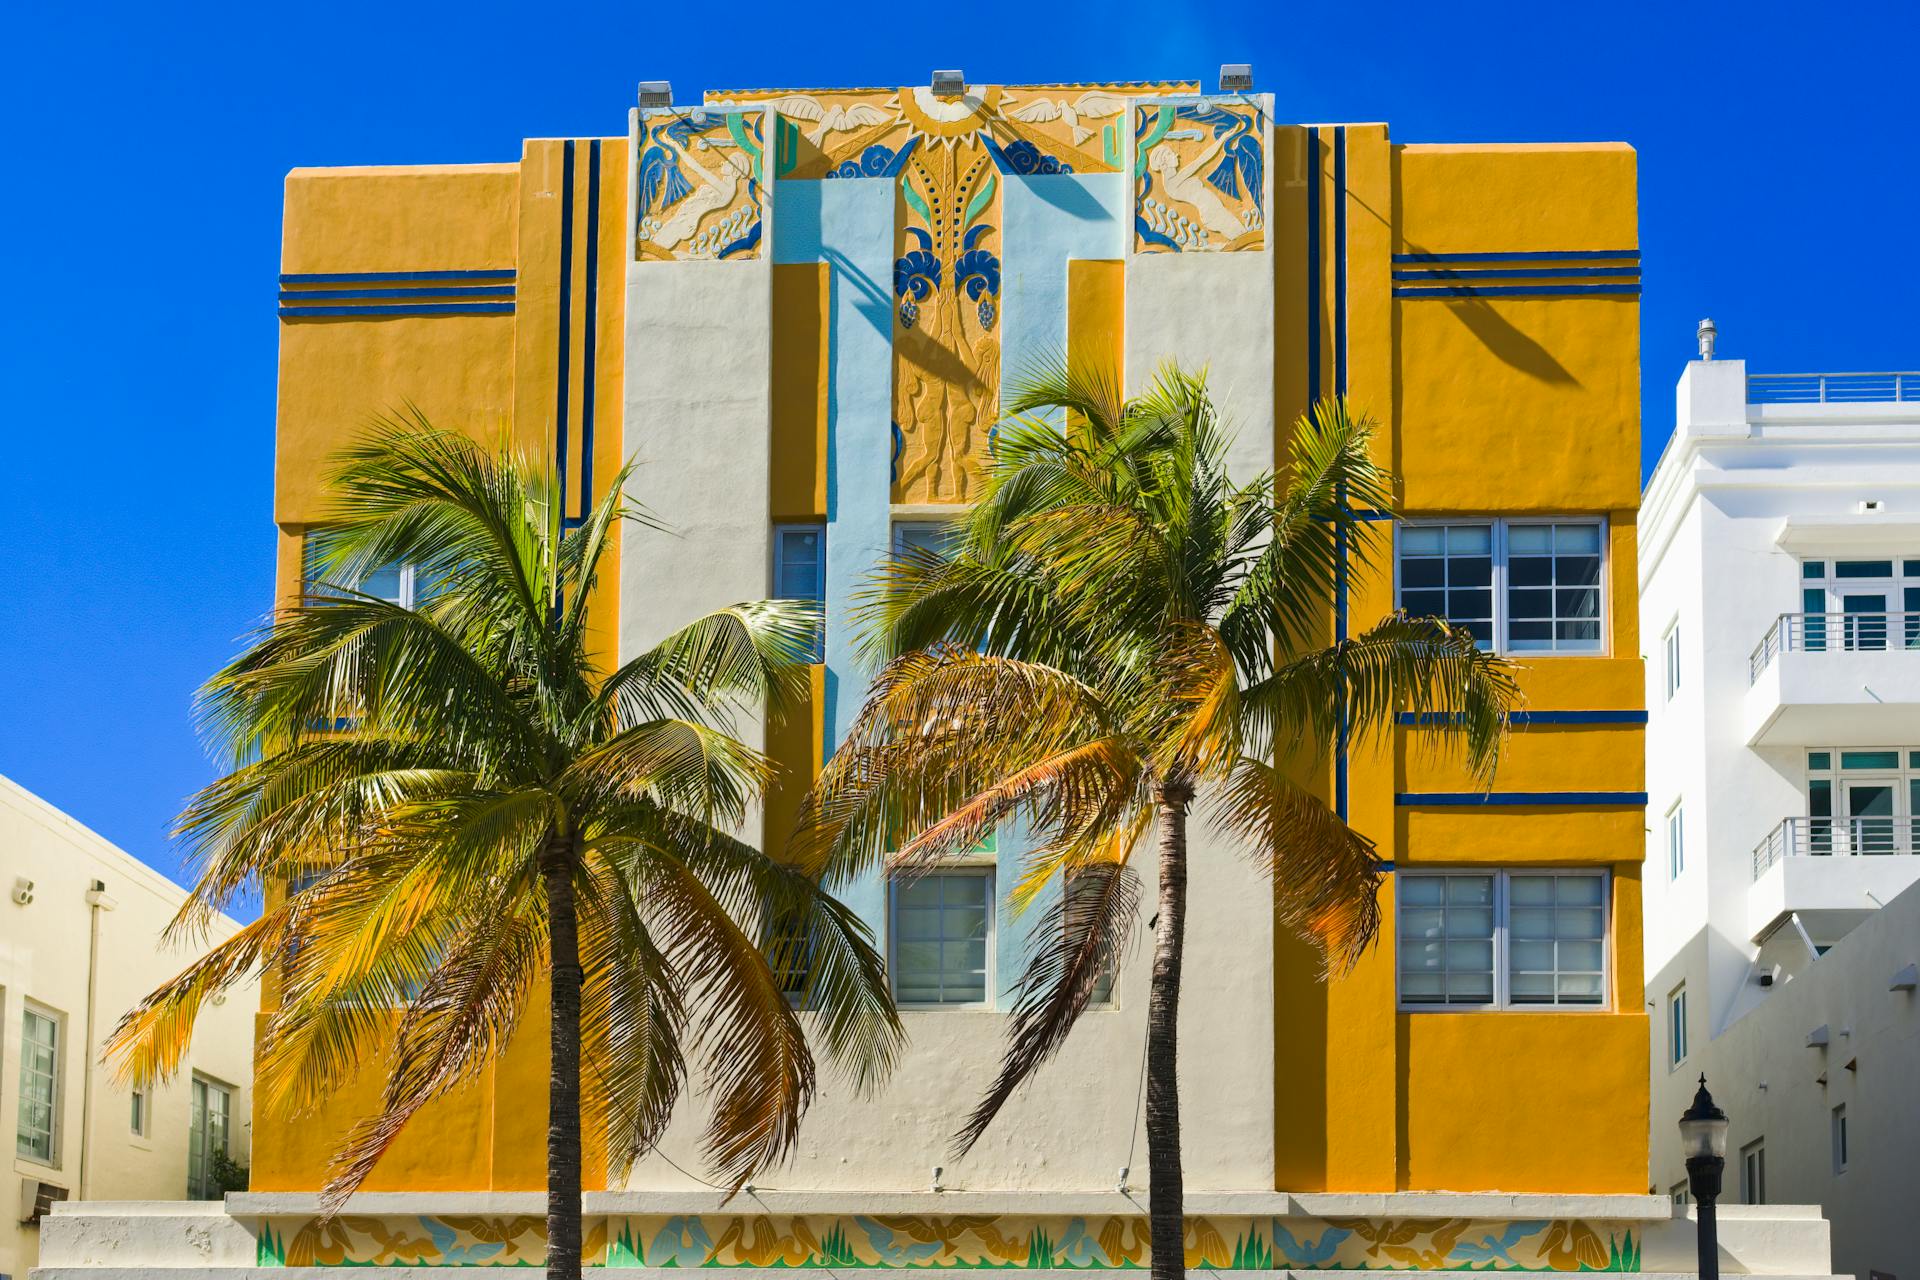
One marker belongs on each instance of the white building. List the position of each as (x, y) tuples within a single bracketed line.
[(79, 944), (1780, 609)]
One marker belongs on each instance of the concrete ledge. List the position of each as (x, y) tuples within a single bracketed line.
[(1256, 1204)]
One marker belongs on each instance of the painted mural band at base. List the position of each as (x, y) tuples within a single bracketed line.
[(979, 1242)]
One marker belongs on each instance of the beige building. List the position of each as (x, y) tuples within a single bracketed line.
[(79, 943)]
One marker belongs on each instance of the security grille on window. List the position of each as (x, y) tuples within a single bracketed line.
[(800, 570), (1519, 587), (942, 924), (39, 1086), (1502, 939)]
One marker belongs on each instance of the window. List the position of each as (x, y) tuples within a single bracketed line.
[(1671, 648), (789, 949), (942, 925), (1840, 1138), (1518, 586), (1862, 801), (404, 584), (1677, 1025), (800, 570), (1860, 604), (1753, 1172), (138, 1120), (936, 537), (212, 1116), (39, 1086), (1680, 1195), (1502, 939), (1103, 984), (1676, 843)]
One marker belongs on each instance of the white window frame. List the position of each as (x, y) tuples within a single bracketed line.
[(1838, 1125), (57, 1091), (1502, 964), (140, 1108), (1681, 1194), (212, 1086), (1676, 840), (1753, 1172), (779, 567), (1678, 1030), (1670, 650), (409, 597), (1501, 526), (986, 871)]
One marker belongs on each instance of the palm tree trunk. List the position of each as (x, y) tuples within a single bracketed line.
[(1166, 1190), (563, 1086)]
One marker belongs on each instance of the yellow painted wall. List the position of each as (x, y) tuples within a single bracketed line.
[(1489, 406), (802, 307)]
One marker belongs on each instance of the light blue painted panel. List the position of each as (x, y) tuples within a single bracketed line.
[(850, 226), (1051, 220)]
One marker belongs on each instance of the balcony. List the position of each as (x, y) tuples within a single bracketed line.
[(1831, 870), (1818, 678), (1832, 388)]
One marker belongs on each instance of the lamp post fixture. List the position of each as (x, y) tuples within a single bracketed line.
[(1703, 1136)]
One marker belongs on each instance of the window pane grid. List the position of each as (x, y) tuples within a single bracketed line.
[(1506, 939), (800, 571), (941, 927), (39, 1085), (1520, 587)]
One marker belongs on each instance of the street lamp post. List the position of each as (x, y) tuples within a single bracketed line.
[(1703, 1136)]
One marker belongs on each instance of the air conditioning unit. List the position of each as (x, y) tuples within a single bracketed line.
[(36, 1198)]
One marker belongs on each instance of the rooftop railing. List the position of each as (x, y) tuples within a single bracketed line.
[(1833, 633), (1833, 388), (1836, 838)]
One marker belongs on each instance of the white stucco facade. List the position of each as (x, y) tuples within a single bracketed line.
[(1778, 535), (81, 949)]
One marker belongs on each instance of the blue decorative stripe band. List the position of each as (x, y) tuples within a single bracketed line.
[(1508, 273), (370, 277), (1429, 799), (1516, 290), (444, 291), (415, 309), (1534, 717), (1536, 255)]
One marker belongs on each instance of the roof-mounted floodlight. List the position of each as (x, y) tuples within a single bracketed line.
[(949, 84), (656, 93), (1236, 77)]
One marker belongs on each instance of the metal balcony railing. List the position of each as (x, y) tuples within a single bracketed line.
[(1836, 838), (1832, 388), (1834, 633)]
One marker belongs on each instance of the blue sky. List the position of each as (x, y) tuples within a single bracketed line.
[(1778, 194)]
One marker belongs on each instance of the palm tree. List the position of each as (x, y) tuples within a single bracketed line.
[(464, 808), (1119, 631)]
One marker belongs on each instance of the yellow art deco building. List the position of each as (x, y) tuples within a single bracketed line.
[(796, 312)]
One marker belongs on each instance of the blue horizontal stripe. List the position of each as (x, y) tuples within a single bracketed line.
[(1425, 799), (1508, 273), (443, 291), (1515, 290), (1534, 717), (1534, 255), (368, 277), (410, 309)]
